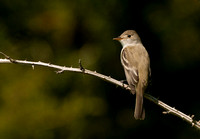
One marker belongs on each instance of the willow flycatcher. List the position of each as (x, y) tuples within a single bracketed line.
[(136, 63)]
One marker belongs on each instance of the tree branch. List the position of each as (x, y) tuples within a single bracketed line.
[(61, 69)]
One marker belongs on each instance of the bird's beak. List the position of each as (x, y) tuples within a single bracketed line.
[(118, 38)]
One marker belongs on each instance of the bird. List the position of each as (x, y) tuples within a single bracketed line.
[(136, 63)]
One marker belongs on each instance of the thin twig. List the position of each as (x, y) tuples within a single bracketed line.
[(61, 69), (81, 66)]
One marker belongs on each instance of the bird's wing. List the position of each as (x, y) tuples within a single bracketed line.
[(130, 69)]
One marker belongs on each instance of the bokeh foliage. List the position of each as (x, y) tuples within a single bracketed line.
[(41, 104)]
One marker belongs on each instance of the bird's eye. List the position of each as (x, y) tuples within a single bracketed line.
[(128, 36)]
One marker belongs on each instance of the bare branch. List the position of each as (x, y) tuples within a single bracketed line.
[(7, 57), (173, 111), (61, 69)]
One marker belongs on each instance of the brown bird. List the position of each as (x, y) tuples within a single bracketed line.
[(136, 63)]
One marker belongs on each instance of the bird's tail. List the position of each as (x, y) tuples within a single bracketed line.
[(139, 109)]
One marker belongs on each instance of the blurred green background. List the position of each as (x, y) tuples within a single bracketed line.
[(41, 104)]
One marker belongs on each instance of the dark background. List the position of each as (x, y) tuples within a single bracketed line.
[(41, 104)]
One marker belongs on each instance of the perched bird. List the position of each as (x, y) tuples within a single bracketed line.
[(136, 63)]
